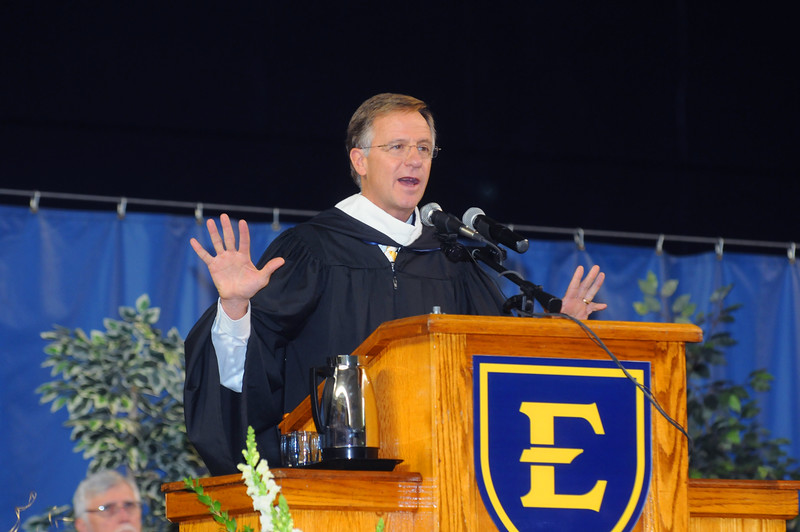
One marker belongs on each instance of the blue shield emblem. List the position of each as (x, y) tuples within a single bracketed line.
[(561, 444)]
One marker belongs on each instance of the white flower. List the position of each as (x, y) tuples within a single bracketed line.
[(262, 489)]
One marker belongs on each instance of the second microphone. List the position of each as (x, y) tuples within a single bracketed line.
[(477, 220)]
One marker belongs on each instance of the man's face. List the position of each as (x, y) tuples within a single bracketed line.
[(118, 519), (395, 183)]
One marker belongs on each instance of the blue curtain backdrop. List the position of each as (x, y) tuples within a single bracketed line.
[(74, 268)]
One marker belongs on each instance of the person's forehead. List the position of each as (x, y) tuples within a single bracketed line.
[(402, 124), (119, 493)]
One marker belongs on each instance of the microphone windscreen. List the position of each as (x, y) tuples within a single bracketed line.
[(427, 211), (470, 215)]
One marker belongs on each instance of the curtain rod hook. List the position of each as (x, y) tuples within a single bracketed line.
[(578, 237), (122, 207), (718, 247), (791, 253), (276, 224), (660, 244), (198, 214), (34, 203)]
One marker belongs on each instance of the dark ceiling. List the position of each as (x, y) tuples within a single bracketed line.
[(678, 117)]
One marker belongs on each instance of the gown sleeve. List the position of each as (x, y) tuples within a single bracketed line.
[(216, 417)]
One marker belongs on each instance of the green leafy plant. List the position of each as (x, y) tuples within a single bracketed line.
[(656, 300), (726, 439), (123, 391)]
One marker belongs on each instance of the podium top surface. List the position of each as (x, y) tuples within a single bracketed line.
[(554, 327)]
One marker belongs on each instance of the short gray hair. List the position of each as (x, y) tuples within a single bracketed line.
[(98, 483), (359, 131)]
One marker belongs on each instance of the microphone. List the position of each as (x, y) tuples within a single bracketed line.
[(476, 219), (433, 216)]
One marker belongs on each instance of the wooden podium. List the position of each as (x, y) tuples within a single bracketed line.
[(421, 370)]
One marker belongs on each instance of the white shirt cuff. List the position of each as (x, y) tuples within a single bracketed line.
[(229, 338)]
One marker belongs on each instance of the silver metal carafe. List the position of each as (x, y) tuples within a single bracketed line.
[(346, 414)]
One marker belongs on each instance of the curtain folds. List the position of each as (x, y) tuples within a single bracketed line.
[(74, 268)]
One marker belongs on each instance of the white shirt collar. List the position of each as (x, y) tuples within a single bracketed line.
[(367, 212)]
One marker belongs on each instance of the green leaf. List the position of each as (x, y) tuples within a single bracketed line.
[(720, 293), (649, 285), (668, 289), (687, 311), (127, 313), (681, 303), (58, 403), (142, 303), (653, 304), (151, 315), (733, 436), (734, 403), (760, 380)]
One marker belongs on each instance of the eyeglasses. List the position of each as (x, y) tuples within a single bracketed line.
[(401, 151), (110, 510)]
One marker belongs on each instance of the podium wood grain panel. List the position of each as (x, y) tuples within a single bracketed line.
[(323, 500), (768, 499)]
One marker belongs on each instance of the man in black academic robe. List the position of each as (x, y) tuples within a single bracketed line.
[(323, 286), (340, 288)]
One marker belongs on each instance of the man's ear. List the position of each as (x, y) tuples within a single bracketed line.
[(359, 161)]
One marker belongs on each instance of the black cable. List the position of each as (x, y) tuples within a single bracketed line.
[(644, 389), (596, 339)]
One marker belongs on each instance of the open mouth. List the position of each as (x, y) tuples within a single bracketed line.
[(409, 181)]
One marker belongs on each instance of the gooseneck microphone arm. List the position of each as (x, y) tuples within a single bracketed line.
[(447, 224), (524, 301)]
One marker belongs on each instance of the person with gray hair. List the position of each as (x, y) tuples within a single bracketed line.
[(326, 284), (107, 501)]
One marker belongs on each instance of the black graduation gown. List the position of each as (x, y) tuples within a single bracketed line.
[(335, 288)]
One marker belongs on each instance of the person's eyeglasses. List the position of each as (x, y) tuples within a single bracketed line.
[(401, 151), (110, 510)]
